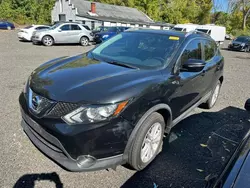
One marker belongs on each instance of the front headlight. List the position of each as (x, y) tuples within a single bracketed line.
[(92, 114), (243, 44), (105, 36)]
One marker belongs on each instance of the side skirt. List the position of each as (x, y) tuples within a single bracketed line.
[(187, 112)]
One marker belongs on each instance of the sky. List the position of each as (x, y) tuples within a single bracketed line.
[(221, 5)]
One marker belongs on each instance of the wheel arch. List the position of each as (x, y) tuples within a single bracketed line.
[(221, 79), (49, 36), (162, 109)]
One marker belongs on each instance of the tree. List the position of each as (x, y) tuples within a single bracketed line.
[(242, 6)]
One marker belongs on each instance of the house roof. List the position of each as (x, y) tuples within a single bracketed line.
[(107, 12)]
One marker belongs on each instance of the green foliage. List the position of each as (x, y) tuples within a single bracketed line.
[(27, 11)]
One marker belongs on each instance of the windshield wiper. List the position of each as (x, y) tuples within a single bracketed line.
[(122, 64)]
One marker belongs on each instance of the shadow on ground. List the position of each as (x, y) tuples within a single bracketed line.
[(197, 150), (30, 180)]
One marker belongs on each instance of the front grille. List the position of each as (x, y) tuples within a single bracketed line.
[(61, 109)]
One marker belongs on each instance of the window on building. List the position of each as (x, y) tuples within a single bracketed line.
[(83, 22), (192, 51), (62, 17)]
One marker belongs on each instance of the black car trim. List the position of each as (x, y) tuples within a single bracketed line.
[(68, 163), (187, 112)]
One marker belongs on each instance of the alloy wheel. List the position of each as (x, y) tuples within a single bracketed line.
[(48, 41), (215, 94), (151, 142), (84, 41)]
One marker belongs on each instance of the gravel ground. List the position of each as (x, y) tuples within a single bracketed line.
[(22, 164)]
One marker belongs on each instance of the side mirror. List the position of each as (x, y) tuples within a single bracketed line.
[(193, 65), (59, 30), (247, 105)]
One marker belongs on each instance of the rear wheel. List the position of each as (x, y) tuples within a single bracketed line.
[(47, 41), (84, 41), (147, 142), (213, 98)]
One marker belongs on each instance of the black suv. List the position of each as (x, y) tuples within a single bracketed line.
[(241, 43), (112, 105)]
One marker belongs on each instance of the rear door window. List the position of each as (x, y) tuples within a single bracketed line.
[(192, 51), (209, 49), (75, 27)]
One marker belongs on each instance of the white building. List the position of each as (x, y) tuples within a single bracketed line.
[(100, 14)]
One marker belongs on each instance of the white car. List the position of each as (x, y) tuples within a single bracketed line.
[(27, 32)]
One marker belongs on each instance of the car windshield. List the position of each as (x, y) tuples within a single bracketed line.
[(241, 39), (54, 26), (138, 49)]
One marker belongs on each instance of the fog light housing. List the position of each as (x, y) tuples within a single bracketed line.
[(85, 161)]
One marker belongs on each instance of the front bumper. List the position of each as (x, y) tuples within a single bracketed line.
[(82, 151), (236, 48), (36, 39)]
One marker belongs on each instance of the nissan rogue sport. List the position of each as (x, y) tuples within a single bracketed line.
[(112, 105)]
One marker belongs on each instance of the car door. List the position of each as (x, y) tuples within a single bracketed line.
[(212, 68), (61, 35), (187, 86), (75, 33)]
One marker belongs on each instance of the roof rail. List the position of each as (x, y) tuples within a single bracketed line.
[(196, 32)]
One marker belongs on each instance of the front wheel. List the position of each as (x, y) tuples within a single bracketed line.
[(147, 142), (247, 49), (84, 41), (47, 41)]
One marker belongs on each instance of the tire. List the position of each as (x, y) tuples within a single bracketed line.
[(47, 40), (247, 49), (213, 98), (84, 41), (139, 156), (8, 28)]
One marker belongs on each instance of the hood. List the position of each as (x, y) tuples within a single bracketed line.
[(82, 79)]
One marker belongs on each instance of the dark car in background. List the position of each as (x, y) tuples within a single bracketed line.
[(112, 105), (6, 25), (241, 43), (108, 32)]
